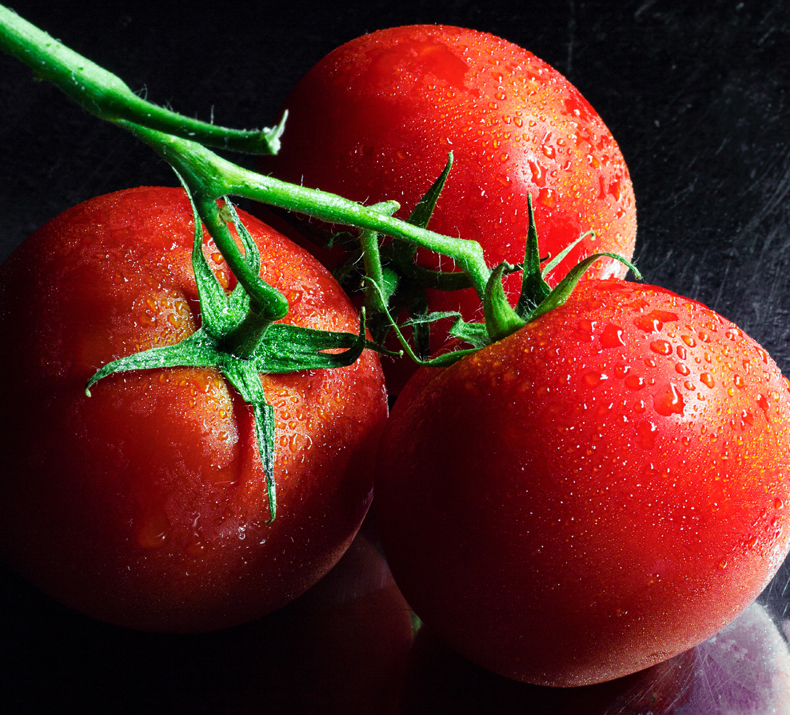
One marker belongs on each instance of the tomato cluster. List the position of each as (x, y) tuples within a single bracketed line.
[(590, 495)]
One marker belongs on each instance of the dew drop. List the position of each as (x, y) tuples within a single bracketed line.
[(196, 547), (154, 531), (669, 403), (595, 378), (621, 371), (647, 432), (612, 336), (547, 197), (635, 382), (661, 347), (763, 402)]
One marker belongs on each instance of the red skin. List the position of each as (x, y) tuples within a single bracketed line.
[(144, 505), (376, 118), (594, 494)]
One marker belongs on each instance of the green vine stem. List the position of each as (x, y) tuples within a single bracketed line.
[(210, 177), (104, 94), (180, 141)]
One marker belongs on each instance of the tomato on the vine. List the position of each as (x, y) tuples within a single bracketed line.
[(375, 120), (595, 493), (145, 504)]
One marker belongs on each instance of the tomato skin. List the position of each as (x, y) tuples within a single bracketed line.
[(144, 505), (376, 118), (592, 495)]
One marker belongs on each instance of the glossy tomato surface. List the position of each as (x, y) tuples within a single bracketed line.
[(376, 118), (145, 504), (594, 494)]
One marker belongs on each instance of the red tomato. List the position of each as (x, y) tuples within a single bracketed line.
[(376, 118), (596, 493), (145, 504)]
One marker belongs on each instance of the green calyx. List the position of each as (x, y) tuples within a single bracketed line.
[(242, 342), (501, 319)]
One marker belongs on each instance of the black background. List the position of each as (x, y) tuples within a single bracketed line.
[(696, 94)]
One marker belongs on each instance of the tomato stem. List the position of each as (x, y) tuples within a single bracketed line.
[(211, 177), (104, 94)]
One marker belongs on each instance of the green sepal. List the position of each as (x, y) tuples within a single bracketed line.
[(248, 384), (560, 257), (565, 287), (534, 288), (197, 350), (422, 212), (501, 319), (473, 333), (290, 348)]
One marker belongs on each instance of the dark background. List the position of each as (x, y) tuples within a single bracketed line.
[(696, 94)]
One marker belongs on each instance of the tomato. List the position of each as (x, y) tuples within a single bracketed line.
[(596, 493), (376, 118), (145, 504)]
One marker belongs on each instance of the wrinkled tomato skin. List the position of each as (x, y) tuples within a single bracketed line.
[(596, 493), (376, 118), (145, 505)]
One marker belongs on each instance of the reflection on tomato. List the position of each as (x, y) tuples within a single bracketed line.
[(341, 648)]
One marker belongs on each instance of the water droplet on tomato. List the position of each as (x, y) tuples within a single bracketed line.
[(688, 340), (612, 336), (661, 347), (154, 531), (654, 321), (669, 402), (763, 402), (538, 173), (682, 369), (595, 378), (635, 382), (647, 432), (196, 547), (707, 379), (547, 197)]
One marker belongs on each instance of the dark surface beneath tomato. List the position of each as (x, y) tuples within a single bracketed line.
[(695, 95)]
